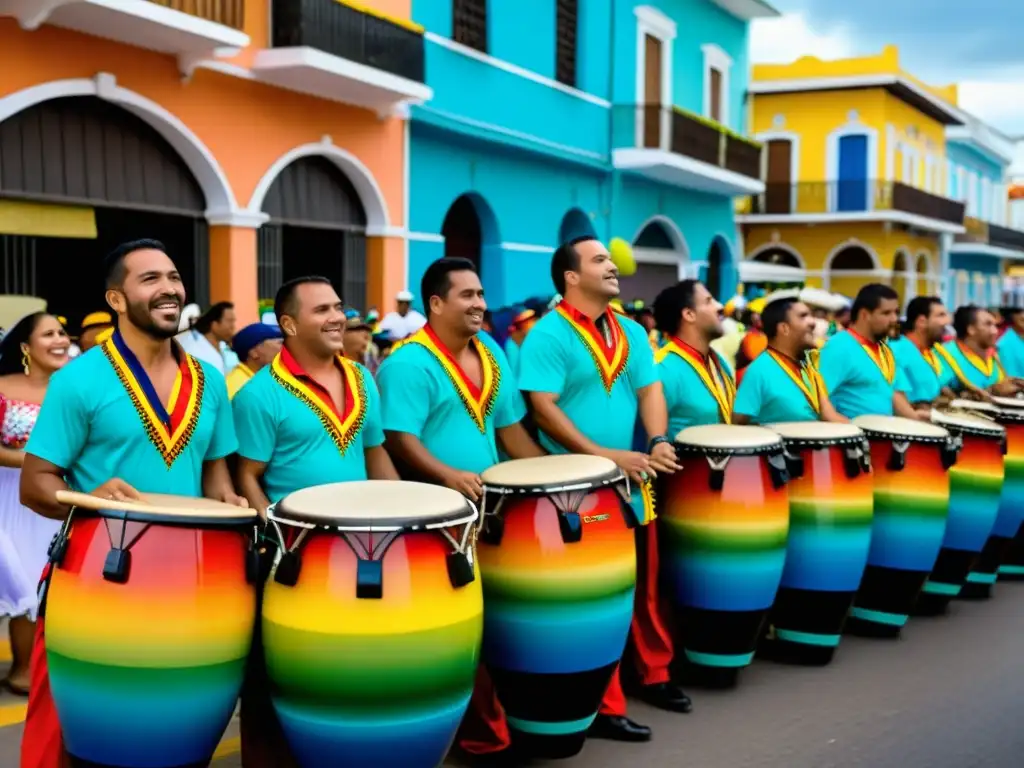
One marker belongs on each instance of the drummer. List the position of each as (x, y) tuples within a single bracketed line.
[(107, 429), (929, 377), (449, 399), (972, 356), (308, 418), (857, 366), (1011, 343), (783, 384), (588, 372)]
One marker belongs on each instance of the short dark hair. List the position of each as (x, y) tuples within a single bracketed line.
[(870, 297), (114, 270), (284, 300), (670, 303), (566, 259), (775, 314), (437, 279), (213, 315), (1009, 313), (10, 346), (920, 306), (964, 318)]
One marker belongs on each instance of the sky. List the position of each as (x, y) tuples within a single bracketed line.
[(975, 43)]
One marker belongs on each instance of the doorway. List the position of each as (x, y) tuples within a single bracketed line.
[(852, 185), (779, 187)]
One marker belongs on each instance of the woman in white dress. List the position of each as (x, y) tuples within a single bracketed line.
[(29, 354)]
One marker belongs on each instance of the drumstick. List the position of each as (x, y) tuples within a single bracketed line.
[(159, 504)]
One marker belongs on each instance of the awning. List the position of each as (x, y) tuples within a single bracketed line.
[(760, 272), (19, 217)]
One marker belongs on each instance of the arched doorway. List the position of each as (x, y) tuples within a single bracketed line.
[(661, 260), (317, 226), (779, 256), (105, 176), (575, 224), (924, 275), (779, 190), (902, 278), (849, 268), (719, 274), (470, 231)]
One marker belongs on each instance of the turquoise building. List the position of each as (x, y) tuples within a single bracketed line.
[(553, 118)]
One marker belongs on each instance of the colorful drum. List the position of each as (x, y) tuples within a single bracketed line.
[(558, 559), (1012, 567), (372, 621), (910, 462), (831, 498), (150, 609), (997, 550), (724, 525), (975, 485)]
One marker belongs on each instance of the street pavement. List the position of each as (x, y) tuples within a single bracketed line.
[(949, 694)]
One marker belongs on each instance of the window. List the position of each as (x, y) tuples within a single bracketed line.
[(716, 83), (565, 42), (469, 23)]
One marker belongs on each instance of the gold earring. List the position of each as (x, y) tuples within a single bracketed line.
[(26, 363)]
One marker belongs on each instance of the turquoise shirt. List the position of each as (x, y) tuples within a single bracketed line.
[(426, 394), (925, 384), (1011, 353), (855, 383), (288, 422), (769, 395), (101, 419), (690, 403), (977, 373), (512, 355)]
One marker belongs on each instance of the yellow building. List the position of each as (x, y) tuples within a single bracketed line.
[(856, 174)]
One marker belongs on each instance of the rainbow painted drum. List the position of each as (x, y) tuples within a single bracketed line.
[(558, 559), (150, 610), (831, 498), (372, 621), (1012, 567), (975, 485), (997, 550), (724, 527), (910, 463)]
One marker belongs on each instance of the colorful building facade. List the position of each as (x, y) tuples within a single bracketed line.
[(259, 139), (856, 174)]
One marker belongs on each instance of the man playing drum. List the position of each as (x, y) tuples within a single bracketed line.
[(857, 366), (972, 356), (589, 372), (135, 413), (449, 399), (309, 418), (783, 384), (924, 368)]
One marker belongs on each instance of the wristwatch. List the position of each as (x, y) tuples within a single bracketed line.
[(656, 441)]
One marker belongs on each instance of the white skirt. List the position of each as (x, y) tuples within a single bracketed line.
[(24, 541)]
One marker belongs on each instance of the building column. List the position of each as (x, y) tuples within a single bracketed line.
[(386, 272), (233, 271), (947, 282)]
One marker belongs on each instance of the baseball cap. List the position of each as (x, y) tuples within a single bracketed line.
[(253, 335), (404, 296), (94, 319), (354, 321)]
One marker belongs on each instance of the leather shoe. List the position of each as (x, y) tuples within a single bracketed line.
[(666, 696), (618, 728)]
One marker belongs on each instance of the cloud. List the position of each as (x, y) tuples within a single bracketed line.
[(785, 38)]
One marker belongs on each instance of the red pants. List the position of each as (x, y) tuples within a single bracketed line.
[(484, 730), (42, 745)]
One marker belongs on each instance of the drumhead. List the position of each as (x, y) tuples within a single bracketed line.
[(967, 424), (552, 472), (974, 405), (162, 508), (373, 505), (1008, 402), (898, 427), (822, 432), (728, 438)]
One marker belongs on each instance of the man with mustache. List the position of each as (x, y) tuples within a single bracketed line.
[(973, 357), (589, 372), (308, 418), (927, 373), (107, 429), (449, 401)]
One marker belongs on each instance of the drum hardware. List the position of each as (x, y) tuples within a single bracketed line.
[(865, 461), (716, 478), (253, 561), (118, 564), (59, 543), (951, 450), (1003, 444), (777, 469), (854, 461), (794, 463), (898, 457)]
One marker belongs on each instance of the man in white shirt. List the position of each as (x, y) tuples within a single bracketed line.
[(403, 322), (213, 331)]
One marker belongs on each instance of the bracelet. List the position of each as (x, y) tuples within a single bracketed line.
[(657, 441)]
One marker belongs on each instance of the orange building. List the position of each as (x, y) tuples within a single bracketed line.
[(259, 139)]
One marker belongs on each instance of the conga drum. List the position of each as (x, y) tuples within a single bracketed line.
[(831, 498), (558, 559), (150, 608), (724, 527), (372, 620), (975, 485), (997, 550), (910, 463)]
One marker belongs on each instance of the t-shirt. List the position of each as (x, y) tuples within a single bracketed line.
[(861, 378), (698, 390), (968, 369), (777, 389), (1011, 353), (926, 374)]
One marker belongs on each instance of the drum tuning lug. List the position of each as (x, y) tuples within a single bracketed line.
[(949, 455), (897, 459), (58, 548), (492, 531), (1003, 445), (853, 463), (716, 479), (571, 526), (778, 470), (460, 570), (117, 566), (795, 465), (370, 580), (253, 564), (288, 568)]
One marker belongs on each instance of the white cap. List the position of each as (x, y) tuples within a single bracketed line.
[(189, 314), (269, 318), (404, 296)]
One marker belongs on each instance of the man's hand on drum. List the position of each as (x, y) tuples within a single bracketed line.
[(117, 489), (466, 483), (635, 464), (232, 498), (1006, 388), (663, 458)]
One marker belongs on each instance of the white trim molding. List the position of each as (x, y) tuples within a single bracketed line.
[(220, 199), (681, 171), (716, 58), (378, 223), (854, 127), (671, 229), (748, 10), (651, 21), (894, 217), (852, 243), (780, 246), (528, 248)]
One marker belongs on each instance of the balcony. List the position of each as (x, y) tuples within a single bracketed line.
[(1004, 237), (341, 52), (191, 30), (855, 200), (671, 146)]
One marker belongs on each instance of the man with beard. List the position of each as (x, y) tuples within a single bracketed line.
[(782, 384), (588, 372), (309, 418), (135, 413), (1011, 344), (449, 401), (857, 366), (972, 355), (927, 374)]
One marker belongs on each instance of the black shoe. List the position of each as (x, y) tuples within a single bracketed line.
[(617, 728), (506, 758), (666, 696)]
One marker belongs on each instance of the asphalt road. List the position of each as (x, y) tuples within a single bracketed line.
[(950, 694)]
